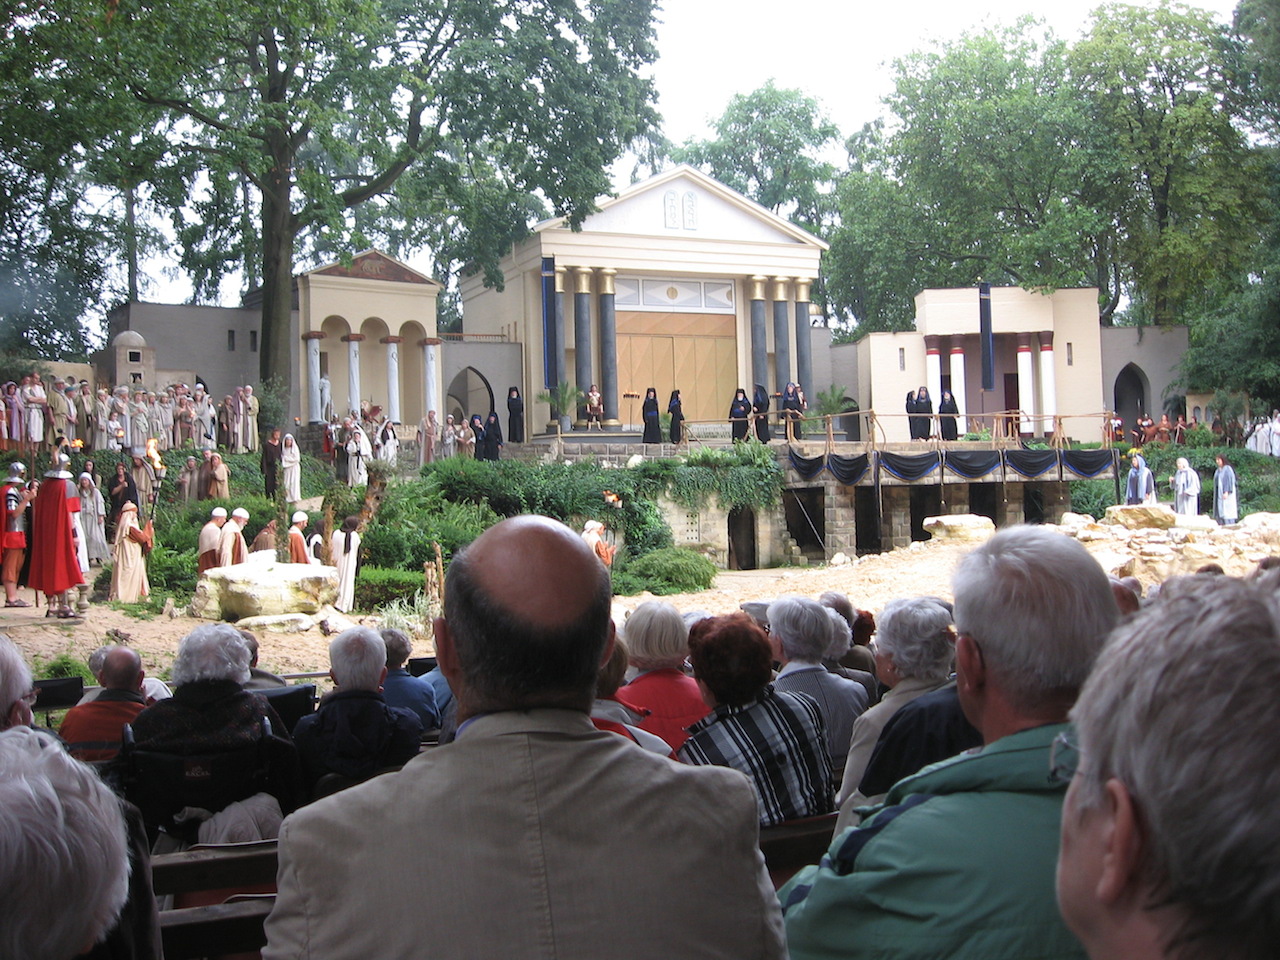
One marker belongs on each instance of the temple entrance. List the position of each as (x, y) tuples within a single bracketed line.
[(742, 538), (469, 393), (1131, 395), (926, 501), (805, 520), (1033, 503), (984, 500), (866, 518)]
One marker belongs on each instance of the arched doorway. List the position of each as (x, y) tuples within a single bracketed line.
[(1132, 394), (333, 364), (742, 538), (469, 392)]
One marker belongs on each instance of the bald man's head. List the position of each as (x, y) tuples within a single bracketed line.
[(528, 614), (121, 669)]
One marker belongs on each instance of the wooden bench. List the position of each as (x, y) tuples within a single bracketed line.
[(795, 844)]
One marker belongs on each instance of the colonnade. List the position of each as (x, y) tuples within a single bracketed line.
[(391, 347), (1038, 407), (595, 287)]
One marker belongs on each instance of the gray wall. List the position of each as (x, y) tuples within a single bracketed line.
[(1155, 351)]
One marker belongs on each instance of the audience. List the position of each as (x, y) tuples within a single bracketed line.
[(837, 649), (355, 733), (64, 863), (17, 694), (610, 713), (862, 625), (92, 730), (776, 739), (959, 860), (533, 833), (1169, 842), (259, 679), (668, 700), (402, 689), (914, 647), (800, 634)]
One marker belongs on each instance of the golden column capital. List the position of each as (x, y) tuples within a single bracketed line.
[(780, 288), (606, 280), (582, 279), (560, 275), (757, 287), (802, 289)]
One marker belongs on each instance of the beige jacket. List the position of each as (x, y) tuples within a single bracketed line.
[(532, 836)]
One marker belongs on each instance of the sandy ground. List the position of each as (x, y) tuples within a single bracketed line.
[(871, 582)]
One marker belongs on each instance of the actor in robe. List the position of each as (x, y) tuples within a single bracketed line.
[(291, 468), (270, 463), (250, 406), (515, 415), (129, 555), (1225, 506), (14, 541), (265, 541), (219, 478), (449, 438), (388, 442), (144, 477), (359, 451), (85, 407), (1141, 485), (492, 437), (101, 414), (739, 415), (189, 481), (675, 407), (297, 539), (649, 414), (229, 424), (1186, 489), (760, 408), (593, 536), (93, 520), (428, 435), (120, 489), (232, 548), (210, 535), (947, 410), (344, 553), (55, 569)]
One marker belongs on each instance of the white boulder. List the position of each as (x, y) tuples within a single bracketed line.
[(962, 526), (1141, 516), (264, 590)]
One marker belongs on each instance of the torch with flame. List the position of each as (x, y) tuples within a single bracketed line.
[(612, 499)]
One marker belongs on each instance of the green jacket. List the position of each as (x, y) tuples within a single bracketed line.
[(958, 862)]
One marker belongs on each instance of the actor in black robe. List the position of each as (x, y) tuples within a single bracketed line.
[(676, 408), (793, 410), (492, 443), (649, 410), (739, 414), (479, 451), (515, 415), (913, 422), (270, 463), (948, 423), (924, 405), (760, 407)]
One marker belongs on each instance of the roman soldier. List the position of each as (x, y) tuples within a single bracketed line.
[(16, 497), (55, 567)]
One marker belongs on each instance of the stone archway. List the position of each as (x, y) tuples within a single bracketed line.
[(1132, 394), (469, 392)]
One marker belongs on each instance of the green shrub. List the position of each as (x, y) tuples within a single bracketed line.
[(1201, 436), (63, 665), (378, 586), (666, 571), (1093, 496)]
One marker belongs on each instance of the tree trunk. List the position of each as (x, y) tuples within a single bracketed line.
[(131, 240), (278, 230)]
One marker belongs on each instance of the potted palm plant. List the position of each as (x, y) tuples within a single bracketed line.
[(564, 399)]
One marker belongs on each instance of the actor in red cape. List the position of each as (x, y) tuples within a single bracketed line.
[(54, 567)]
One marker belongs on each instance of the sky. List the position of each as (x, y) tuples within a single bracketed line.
[(836, 51)]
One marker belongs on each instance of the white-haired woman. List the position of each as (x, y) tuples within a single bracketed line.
[(914, 648), (800, 634), (670, 700)]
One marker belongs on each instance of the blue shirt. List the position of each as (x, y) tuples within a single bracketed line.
[(400, 689)]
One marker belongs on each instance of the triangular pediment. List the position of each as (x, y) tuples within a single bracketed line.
[(374, 265), (684, 202)]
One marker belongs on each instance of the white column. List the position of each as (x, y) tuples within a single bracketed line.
[(1048, 382), (933, 372), (429, 351), (958, 386), (353, 372), (315, 413), (1026, 383), (393, 377)]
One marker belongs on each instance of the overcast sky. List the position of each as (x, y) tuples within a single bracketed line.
[(837, 51)]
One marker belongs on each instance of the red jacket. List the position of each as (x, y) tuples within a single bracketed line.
[(92, 730), (672, 701)]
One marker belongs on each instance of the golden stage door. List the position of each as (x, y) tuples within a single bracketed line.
[(695, 353)]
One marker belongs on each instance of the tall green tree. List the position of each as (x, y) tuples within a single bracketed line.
[(300, 113), (769, 145), (1195, 191)]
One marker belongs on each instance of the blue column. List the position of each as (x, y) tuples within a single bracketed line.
[(609, 350), (582, 336), (781, 335), (804, 347), (561, 372), (759, 340)]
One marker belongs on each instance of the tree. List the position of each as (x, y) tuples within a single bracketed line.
[(768, 146), (1155, 81), (302, 112)]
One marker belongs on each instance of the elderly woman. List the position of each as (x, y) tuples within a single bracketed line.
[(774, 737), (355, 733), (800, 633), (1186, 489), (659, 642), (862, 626), (211, 713), (914, 647)]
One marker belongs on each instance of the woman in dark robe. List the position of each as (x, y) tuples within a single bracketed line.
[(740, 414), (947, 408), (492, 437), (676, 408), (122, 489), (649, 410), (269, 463), (760, 407), (913, 422), (793, 410), (515, 415), (477, 429), (924, 406)]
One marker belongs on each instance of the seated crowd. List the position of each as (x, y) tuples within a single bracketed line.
[(1050, 766)]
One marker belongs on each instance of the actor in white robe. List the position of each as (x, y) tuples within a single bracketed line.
[(93, 519), (291, 469), (1186, 489), (129, 571), (344, 551), (358, 453)]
